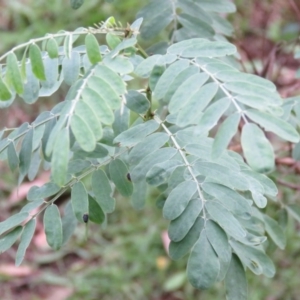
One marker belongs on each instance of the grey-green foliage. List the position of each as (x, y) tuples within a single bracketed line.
[(211, 196)]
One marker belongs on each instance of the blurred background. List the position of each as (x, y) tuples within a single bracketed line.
[(127, 259)]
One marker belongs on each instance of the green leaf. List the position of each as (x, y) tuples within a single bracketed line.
[(69, 222), (223, 175), (26, 238), (13, 221), (144, 68), (9, 239), (105, 92), (23, 64), (156, 16), (36, 59), (53, 227), (78, 165), (257, 149), (296, 152), (137, 102), (225, 219), (12, 157), (178, 199), (92, 49), (269, 186), (96, 214), (119, 64), (13, 73), (79, 199), (5, 93), (220, 6), (175, 82), (235, 76), (75, 4), (86, 113), (199, 47), (121, 122), (25, 153), (275, 232), (71, 67), (254, 101), (31, 90), (159, 173), (293, 210), (147, 146), (251, 89), (32, 205), (112, 40), (83, 134), (52, 48), (53, 78), (47, 190), (225, 133), (236, 281), (99, 152), (219, 241), (254, 258), (203, 265), (180, 226), (139, 172), (135, 134), (98, 105), (195, 24), (102, 190), (274, 124), (231, 199), (179, 249), (138, 197), (156, 73), (118, 173), (213, 113), (34, 165), (60, 157), (168, 77), (193, 107), (187, 90), (175, 282), (111, 78)]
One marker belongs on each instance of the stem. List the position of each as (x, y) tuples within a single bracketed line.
[(240, 111), (175, 23), (142, 51), (116, 31), (149, 114), (78, 94), (23, 133), (76, 179), (187, 164)]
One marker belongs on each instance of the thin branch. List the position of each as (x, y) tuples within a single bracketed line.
[(142, 51), (187, 164), (32, 125), (295, 7), (227, 93), (175, 23), (79, 91), (288, 184), (76, 179), (116, 31)]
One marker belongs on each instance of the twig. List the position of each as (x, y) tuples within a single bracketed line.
[(289, 185)]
